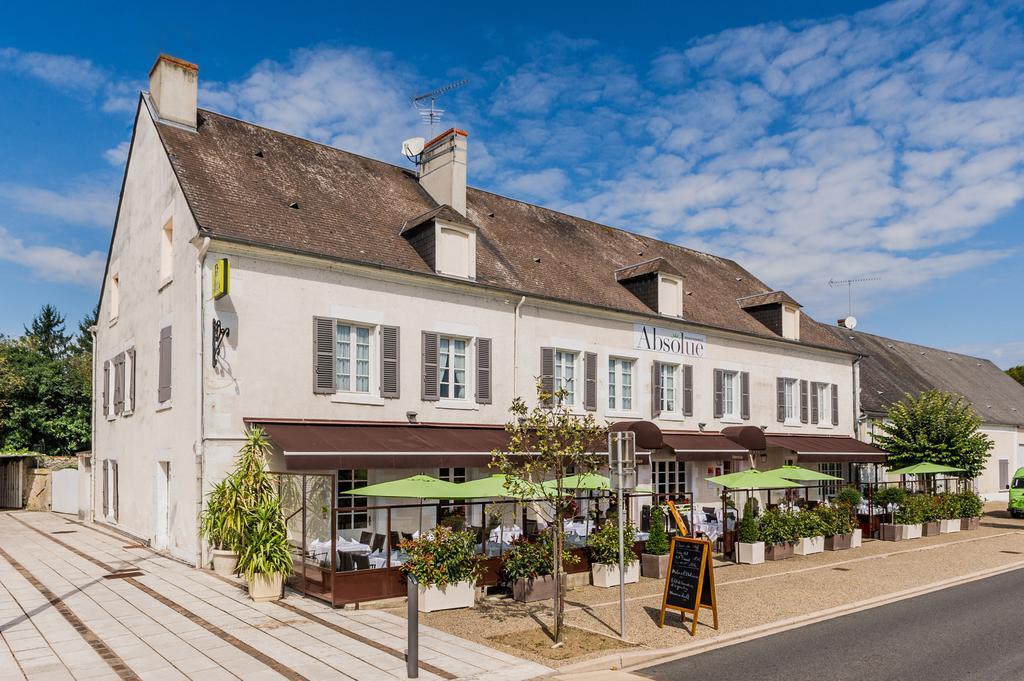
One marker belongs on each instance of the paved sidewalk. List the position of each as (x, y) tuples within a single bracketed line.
[(80, 602)]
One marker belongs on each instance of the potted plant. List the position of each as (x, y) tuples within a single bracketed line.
[(839, 527), (929, 512), (810, 532), (909, 515), (445, 566), (604, 554), (265, 558), (749, 547), (654, 559), (971, 510), (949, 510), (528, 566), (221, 524), (850, 498), (778, 532), (891, 498)]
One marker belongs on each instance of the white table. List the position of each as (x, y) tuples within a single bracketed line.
[(505, 534)]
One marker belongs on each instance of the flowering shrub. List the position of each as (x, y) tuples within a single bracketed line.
[(444, 556), (533, 559)]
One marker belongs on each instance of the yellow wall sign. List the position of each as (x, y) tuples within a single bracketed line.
[(221, 278)]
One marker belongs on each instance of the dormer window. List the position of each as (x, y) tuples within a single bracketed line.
[(445, 240), (656, 283), (776, 310)]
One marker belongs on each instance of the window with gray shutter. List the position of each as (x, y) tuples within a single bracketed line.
[(324, 370), (119, 383), (483, 371), (131, 380), (590, 381), (106, 388), (389, 362), (687, 390), (431, 388), (780, 400), (803, 401), (835, 404), (719, 393), (655, 389), (547, 373), (163, 392), (745, 395), (814, 402)]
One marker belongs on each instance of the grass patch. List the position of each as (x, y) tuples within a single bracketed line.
[(538, 641)]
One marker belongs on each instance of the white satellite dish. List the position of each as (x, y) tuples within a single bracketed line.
[(413, 147), (850, 322)]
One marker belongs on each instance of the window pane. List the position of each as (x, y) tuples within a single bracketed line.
[(611, 384)]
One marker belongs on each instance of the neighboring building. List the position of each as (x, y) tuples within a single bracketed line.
[(381, 321), (892, 369)]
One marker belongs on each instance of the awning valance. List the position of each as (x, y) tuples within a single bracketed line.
[(825, 449), (703, 446)]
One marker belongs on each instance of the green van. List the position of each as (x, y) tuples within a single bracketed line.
[(1016, 506)]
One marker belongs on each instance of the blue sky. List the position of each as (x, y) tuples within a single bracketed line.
[(809, 141)]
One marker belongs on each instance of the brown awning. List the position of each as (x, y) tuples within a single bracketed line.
[(702, 446), (824, 449)]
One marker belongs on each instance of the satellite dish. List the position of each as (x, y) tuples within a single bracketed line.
[(850, 322), (413, 147)]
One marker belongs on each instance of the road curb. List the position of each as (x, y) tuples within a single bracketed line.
[(628, 661)]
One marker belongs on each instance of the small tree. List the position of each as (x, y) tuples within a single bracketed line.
[(549, 441), (1016, 373), (657, 539), (938, 427)]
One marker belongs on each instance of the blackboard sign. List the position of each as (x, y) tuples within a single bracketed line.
[(690, 583)]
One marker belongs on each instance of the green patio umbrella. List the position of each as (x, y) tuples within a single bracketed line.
[(494, 487), (751, 479), (926, 467), (587, 481), (800, 473), (414, 487)]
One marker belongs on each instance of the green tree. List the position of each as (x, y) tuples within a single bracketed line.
[(934, 426), (83, 341), (46, 333), (1016, 373), (549, 441)]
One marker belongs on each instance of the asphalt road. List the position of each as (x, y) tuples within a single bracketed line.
[(973, 631)]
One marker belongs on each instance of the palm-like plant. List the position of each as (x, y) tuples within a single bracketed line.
[(266, 551)]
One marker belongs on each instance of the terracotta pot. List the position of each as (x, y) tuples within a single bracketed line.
[(654, 566), (539, 589), (967, 524), (778, 551), (930, 529), (892, 532), (263, 588), (839, 542), (225, 562)]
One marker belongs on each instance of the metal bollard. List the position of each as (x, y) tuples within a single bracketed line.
[(412, 653)]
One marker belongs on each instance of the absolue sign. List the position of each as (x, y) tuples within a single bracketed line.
[(669, 341)]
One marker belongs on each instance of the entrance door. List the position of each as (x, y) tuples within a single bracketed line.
[(163, 489), (1004, 474)]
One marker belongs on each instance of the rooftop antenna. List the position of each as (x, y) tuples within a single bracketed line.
[(429, 113), (850, 321)]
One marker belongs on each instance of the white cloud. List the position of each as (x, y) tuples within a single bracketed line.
[(53, 263), (119, 154), (82, 203), (58, 70)]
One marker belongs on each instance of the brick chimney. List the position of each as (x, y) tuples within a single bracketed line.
[(173, 89), (443, 169)]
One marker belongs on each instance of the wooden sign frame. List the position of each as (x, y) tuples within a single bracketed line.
[(706, 565), (678, 518)]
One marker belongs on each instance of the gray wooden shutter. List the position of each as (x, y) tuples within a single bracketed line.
[(106, 488), (389, 362), (113, 465), (483, 371), (719, 396), (106, 388), (119, 383), (131, 379), (780, 399), (163, 392), (814, 403), (655, 389), (324, 344), (803, 401), (687, 390), (590, 381), (745, 395), (547, 373), (835, 404), (431, 387)]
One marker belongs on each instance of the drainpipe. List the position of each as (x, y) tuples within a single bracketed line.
[(92, 423), (200, 335), (515, 345)]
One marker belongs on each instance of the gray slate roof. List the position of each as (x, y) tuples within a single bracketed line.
[(894, 368)]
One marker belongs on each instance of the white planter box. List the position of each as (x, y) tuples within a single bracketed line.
[(947, 526), (263, 588), (858, 535), (805, 546), (608, 575), (751, 554), (458, 595), (912, 531)]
